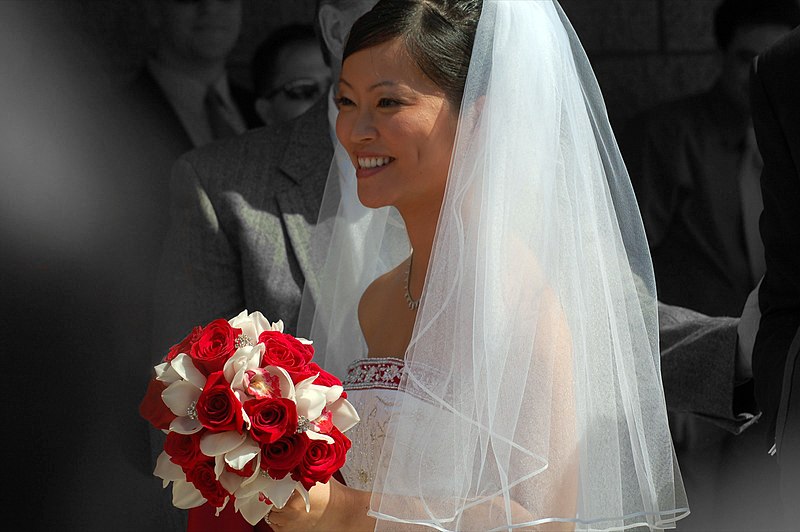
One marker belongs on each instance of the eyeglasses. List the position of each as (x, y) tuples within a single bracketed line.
[(300, 89)]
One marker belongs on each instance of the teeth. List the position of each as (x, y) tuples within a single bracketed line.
[(373, 162)]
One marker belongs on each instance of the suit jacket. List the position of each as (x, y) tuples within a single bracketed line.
[(683, 157), (154, 103), (775, 84), (241, 219), (698, 358)]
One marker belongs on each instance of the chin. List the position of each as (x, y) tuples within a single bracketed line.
[(370, 201)]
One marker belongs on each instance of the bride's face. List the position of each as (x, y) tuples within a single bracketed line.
[(397, 127)]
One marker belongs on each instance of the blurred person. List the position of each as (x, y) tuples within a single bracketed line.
[(289, 73), (694, 166), (184, 83), (775, 84), (242, 213), (183, 97)]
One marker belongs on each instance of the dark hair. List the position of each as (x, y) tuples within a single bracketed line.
[(732, 15), (264, 63), (438, 35)]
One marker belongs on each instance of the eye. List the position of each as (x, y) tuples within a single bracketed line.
[(388, 102), (343, 101)]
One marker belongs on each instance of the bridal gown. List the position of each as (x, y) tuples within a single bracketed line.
[(372, 388)]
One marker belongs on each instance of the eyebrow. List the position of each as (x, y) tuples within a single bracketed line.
[(384, 83)]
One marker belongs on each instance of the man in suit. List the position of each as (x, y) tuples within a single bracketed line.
[(242, 213), (694, 165), (185, 83), (775, 84), (243, 210)]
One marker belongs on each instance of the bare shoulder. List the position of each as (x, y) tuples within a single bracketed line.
[(373, 303), (383, 314)]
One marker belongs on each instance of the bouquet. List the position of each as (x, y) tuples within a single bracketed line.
[(249, 417)]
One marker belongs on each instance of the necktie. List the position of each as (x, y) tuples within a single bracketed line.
[(217, 115), (752, 204)]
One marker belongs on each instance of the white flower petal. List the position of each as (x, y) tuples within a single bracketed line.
[(243, 454), (185, 495), (257, 482), (167, 469), (230, 481), (332, 393), (165, 373), (288, 389), (310, 401), (279, 491), (219, 466), (185, 367), (218, 443), (248, 357), (343, 414), (312, 435), (179, 396), (253, 509), (185, 425), (304, 493)]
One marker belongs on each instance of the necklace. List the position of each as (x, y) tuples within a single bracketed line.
[(412, 303)]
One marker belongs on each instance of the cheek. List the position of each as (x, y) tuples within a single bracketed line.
[(343, 130)]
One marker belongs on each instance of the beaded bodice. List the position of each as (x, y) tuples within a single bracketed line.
[(372, 388)]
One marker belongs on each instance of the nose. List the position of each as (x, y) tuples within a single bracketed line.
[(363, 129)]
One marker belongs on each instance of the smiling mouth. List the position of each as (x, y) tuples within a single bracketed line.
[(373, 162)]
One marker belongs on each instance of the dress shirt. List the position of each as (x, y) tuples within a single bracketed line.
[(187, 97)]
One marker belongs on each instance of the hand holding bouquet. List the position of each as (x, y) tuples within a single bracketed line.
[(249, 417)]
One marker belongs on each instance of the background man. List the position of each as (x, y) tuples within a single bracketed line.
[(289, 73), (695, 167), (776, 354)]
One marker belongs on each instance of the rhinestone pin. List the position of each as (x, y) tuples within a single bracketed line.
[(303, 424), (243, 341)]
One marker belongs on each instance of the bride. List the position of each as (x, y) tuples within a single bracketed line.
[(487, 288)]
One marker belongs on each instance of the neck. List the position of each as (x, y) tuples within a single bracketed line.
[(421, 229), (205, 71)]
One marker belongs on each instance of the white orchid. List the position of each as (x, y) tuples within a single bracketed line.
[(183, 392), (184, 494)]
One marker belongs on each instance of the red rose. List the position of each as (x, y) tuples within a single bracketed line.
[(218, 408), (152, 407), (280, 457), (205, 480), (184, 449), (215, 345), (185, 345), (271, 418), (322, 459), (285, 351)]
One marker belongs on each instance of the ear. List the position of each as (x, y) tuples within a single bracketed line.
[(333, 30)]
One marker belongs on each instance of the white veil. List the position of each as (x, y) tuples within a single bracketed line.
[(532, 380)]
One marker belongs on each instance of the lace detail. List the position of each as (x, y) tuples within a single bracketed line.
[(373, 386), (381, 373)]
